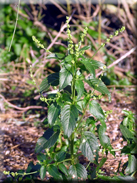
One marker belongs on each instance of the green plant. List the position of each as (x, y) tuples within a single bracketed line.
[(21, 43), (71, 132), (69, 129), (128, 130)]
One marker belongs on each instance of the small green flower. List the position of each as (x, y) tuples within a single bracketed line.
[(72, 61), (37, 42), (102, 44), (13, 174), (122, 29), (116, 33), (111, 36), (108, 40), (104, 67), (42, 99)]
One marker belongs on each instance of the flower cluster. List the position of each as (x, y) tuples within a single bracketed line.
[(71, 44), (70, 41), (37, 42), (12, 173), (115, 34)]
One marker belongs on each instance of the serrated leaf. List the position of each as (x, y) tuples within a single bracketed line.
[(99, 86), (53, 113), (91, 65), (96, 110), (69, 115), (79, 88), (52, 79), (78, 170), (65, 77), (47, 140), (53, 171), (43, 172), (60, 156), (89, 145), (85, 48), (63, 169)]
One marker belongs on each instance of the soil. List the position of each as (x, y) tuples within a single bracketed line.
[(19, 139)]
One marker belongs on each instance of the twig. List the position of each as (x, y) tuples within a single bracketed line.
[(22, 108), (20, 13), (59, 7), (118, 60), (122, 86)]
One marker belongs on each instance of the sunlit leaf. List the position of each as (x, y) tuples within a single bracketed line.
[(69, 115)]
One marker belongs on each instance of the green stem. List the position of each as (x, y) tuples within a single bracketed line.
[(73, 99), (15, 25), (96, 51), (63, 161), (72, 148)]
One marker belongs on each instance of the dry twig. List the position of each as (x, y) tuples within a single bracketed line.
[(118, 60), (23, 109)]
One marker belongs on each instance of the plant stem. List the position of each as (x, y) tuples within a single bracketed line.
[(73, 99), (15, 25), (63, 161), (72, 148)]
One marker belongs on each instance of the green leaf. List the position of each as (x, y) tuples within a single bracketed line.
[(29, 31), (79, 88), (65, 77), (124, 81), (68, 58), (69, 115), (53, 113), (78, 170), (17, 49), (58, 56), (132, 164), (104, 139), (125, 121), (89, 145), (92, 122), (126, 132), (96, 110), (85, 48), (93, 34), (99, 86), (41, 157), (103, 160), (52, 79), (60, 156), (63, 168), (131, 148), (43, 172), (48, 139), (53, 171), (81, 104), (91, 65)]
